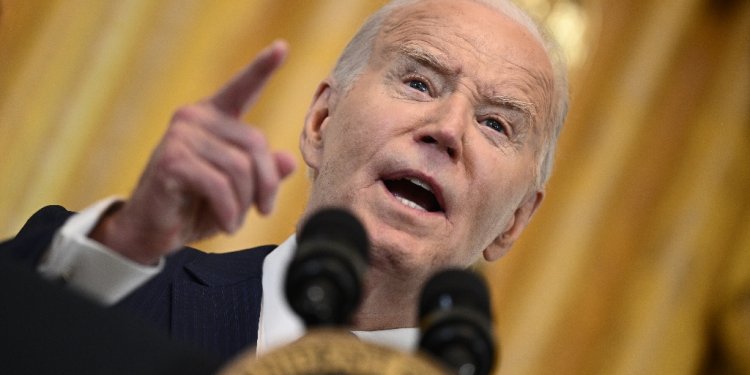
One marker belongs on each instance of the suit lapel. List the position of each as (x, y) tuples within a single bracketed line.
[(218, 305)]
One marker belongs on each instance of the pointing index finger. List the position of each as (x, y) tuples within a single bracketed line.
[(243, 90)]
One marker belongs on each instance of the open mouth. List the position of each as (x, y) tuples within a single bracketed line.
[(414, 193)]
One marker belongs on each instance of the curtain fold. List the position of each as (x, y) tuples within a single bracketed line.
[(624, 269), (638, 259)]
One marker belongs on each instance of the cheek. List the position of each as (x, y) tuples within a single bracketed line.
[(359, 132), (350, 143), (495, 202), (491, 215), (345, 139)]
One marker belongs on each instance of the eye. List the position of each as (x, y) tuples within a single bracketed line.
[(419, 85), (495, 125)]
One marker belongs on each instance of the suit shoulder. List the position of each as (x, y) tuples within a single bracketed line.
[(52, 216), (35, 235)]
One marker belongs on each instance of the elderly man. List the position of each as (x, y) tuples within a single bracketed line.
[(436, 128)]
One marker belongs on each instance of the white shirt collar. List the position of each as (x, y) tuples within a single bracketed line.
[(279, 325)]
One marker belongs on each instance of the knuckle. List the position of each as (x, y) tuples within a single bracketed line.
[(219, 187), (170, 161), (182, 132), (176, 131), (242, 165), (186, 114), (238, 165), (255, 139)]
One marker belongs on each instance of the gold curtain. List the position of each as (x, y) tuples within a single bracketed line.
[(639, 259), (88, 86)]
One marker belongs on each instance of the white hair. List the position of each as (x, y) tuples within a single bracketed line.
[(357, 53)]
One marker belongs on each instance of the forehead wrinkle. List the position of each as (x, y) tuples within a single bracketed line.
[(415, 18), (538, 79), (414, 51), (471, 45), (410, 28), (442, 64), (409, 13)]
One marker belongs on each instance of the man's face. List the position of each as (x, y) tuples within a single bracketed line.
[(434, 146)]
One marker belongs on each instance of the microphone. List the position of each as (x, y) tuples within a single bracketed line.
[(324, 279), (455, 321)]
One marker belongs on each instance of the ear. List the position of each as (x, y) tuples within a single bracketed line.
[(515, 226), (311, 139)]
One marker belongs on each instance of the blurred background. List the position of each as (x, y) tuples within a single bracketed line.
[(638, 261)]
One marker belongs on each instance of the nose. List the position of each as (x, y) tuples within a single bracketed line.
[(447, 127)]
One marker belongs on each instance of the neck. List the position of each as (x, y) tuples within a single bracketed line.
[(387, 303)]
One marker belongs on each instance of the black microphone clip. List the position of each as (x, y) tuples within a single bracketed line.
[(455, 321), (324, 279)]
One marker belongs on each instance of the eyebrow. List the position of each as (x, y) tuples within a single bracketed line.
[(425, 58), (527, 109)]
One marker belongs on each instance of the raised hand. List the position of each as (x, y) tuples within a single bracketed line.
[(205, 174)]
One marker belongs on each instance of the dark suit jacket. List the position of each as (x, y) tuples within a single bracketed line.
[(210, 301), (47, 329)]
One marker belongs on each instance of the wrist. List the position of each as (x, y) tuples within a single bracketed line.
[(114, 232)]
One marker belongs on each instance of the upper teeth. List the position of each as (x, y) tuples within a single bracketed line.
[(419, 183)]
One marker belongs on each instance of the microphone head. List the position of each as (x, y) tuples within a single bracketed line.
[(456, 321), (455, 288), (324, 279), (339, 225)]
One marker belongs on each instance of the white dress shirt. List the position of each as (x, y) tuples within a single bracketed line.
[(107, 277), (279, 325)]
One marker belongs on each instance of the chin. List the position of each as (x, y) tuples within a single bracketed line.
[(398, 255)]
